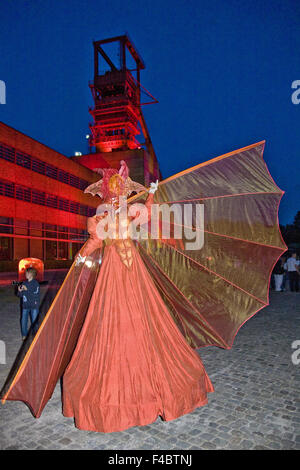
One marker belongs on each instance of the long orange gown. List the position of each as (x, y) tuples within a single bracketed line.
[(120, 334), (131, 364)]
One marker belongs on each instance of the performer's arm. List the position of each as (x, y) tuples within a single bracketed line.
[(148, 203), (93, 242)]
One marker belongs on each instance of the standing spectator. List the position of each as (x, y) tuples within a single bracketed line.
[(292, 266), (283, 285), (29, 291), (278, 272)]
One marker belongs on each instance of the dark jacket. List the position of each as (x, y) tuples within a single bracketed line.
[(31, 296), (278, 269)]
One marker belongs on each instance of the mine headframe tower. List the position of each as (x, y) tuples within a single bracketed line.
[(117, 110)]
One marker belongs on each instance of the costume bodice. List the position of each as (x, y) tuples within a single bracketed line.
[(120, 240)]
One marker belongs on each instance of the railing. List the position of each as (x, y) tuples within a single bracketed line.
[(49, 232)]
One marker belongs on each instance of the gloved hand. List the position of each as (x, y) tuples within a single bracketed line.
[(153, 187)]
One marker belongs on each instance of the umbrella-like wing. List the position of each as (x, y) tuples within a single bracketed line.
[(41, 363), (213, 284)]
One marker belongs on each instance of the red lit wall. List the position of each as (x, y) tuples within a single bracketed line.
[(23, 212), (20, 175)]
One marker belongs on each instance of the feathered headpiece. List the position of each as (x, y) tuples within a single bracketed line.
[(114, 183)]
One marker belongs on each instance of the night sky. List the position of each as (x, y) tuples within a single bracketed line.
[(222, 72)]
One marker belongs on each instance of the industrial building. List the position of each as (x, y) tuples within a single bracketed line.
[(43, 208)]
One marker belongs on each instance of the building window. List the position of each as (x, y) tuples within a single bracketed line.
[(24, 193), (38, 197), (23, 160), (6, 248), (62, 250), (63, 246), (51, 201), (51, 171), (38, 166), (64, 205), (27, 161), (7, 189), (64, 176), (59, 242), (7, 153), (6, 243), (51, 246)]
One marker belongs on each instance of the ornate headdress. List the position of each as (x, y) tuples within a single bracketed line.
[(114, 183)]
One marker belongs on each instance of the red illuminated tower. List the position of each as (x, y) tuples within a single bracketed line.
[(117, 113)]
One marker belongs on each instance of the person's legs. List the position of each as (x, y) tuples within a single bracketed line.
[(283, 282), (24, 321), (292, 277), (33, 317), (278, 282), (287, 281)]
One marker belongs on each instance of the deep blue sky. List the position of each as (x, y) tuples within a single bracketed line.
[(221, 70)]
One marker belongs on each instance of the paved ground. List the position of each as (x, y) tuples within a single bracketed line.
[(256, 404)]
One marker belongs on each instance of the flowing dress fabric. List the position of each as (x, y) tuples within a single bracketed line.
[(131, 363)]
